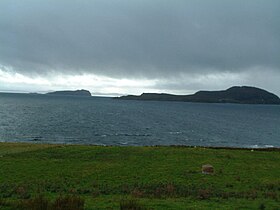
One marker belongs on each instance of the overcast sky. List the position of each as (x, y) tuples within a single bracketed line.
[(134, 46)]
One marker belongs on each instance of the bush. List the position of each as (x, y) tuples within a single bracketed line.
[(38, 203), (68, 203), (22, 192), (131, 204), (61, 203), (204, 194)]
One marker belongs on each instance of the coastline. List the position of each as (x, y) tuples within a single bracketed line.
[(270, 148)]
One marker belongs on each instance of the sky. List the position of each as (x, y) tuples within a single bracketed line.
[(116, 47)]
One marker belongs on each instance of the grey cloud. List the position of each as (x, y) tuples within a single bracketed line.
[(133, 38)]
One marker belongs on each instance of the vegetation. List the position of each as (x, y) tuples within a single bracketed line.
[(38, 176)]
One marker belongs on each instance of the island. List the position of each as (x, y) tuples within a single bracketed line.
[(236, 94), (71, 93)]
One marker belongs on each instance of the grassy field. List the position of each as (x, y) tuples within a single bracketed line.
[(140, 177)]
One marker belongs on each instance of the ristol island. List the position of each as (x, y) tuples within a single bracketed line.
[(81, 92)]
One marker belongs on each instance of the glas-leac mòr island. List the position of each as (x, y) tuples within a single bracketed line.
[(236, 94)]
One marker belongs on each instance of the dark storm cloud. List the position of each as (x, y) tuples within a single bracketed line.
[(148, 38)]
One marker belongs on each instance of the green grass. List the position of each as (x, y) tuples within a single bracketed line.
[(147, 177)]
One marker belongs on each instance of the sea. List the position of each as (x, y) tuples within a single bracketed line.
[(41, 118)]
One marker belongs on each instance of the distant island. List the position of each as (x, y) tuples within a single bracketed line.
[(71, 93), (236, 94)]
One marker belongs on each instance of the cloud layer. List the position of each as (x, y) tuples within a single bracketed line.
[(144, 39)]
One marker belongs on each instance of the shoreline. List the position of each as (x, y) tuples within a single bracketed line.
[(152, 146)]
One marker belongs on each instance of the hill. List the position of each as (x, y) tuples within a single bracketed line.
[(71, 93), (236, 94)]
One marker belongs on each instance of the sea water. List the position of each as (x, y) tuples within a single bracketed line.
[(106, 121)]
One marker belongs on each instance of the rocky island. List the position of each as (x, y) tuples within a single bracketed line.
[(236, 94), (71, 93)]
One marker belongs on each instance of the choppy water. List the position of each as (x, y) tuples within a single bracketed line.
[(96, 120)]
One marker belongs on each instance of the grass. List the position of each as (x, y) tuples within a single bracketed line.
[(97, 177)]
